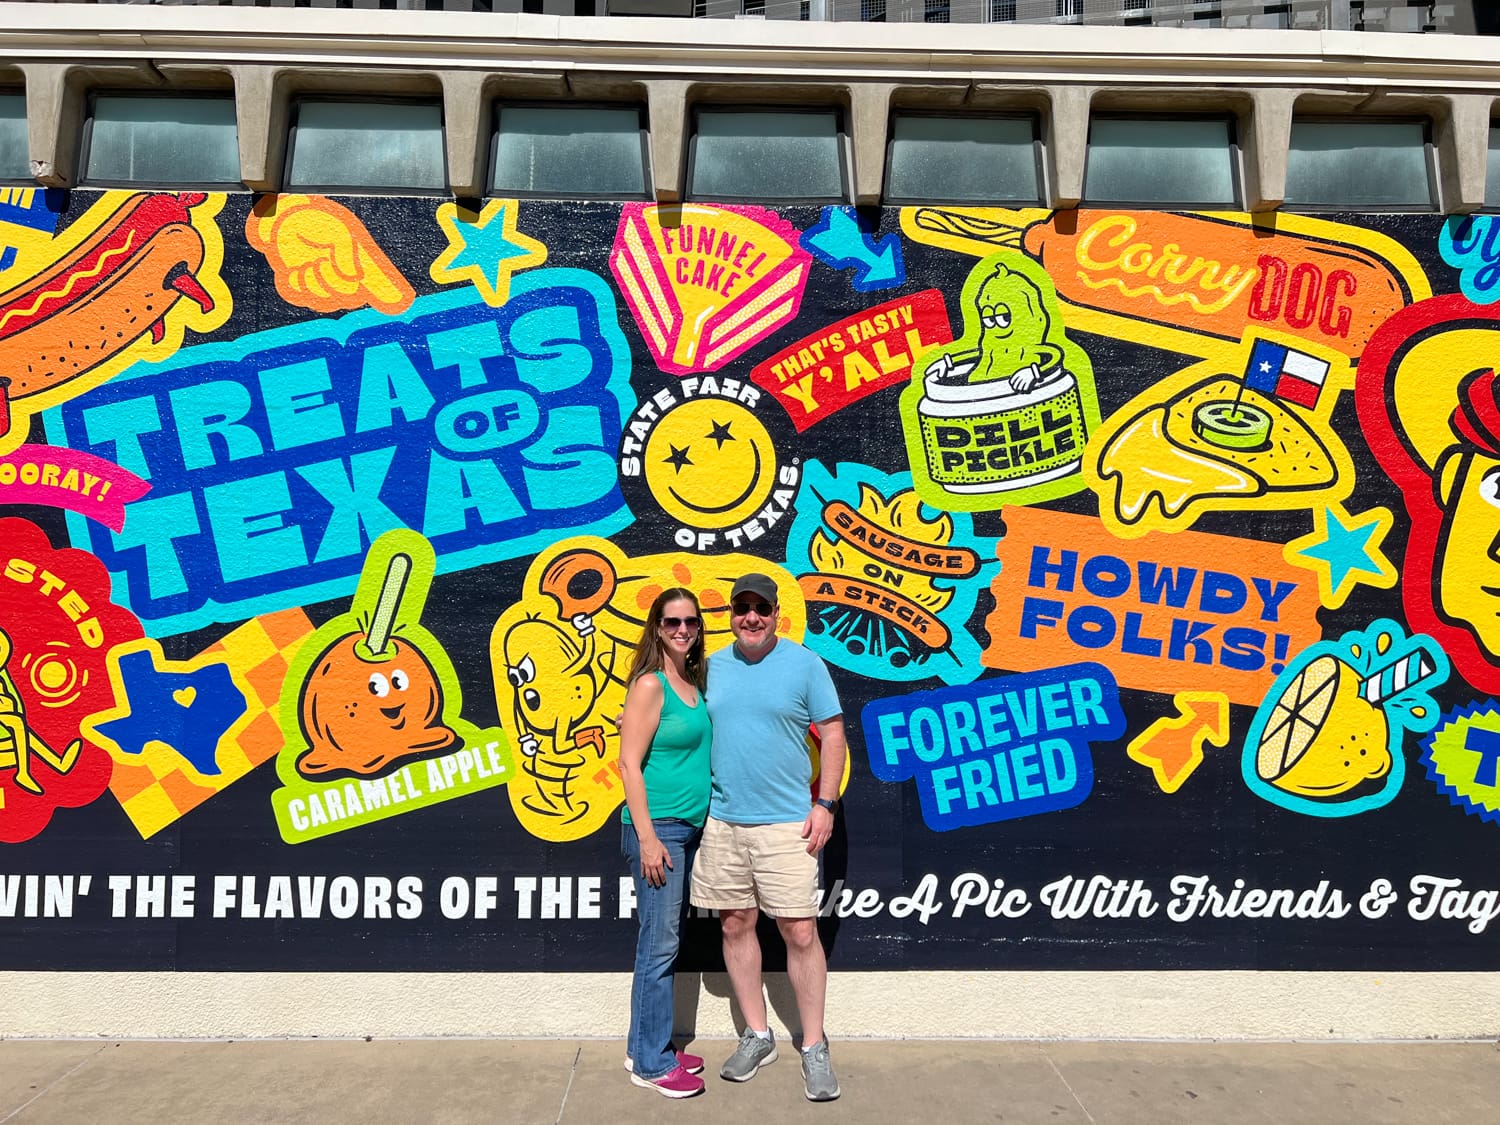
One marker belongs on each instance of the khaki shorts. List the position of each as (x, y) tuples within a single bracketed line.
[(740, 866)]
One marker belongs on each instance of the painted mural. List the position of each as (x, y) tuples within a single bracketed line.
[(1156, 557)]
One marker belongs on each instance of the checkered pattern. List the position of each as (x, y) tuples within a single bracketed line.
[(156, 787)]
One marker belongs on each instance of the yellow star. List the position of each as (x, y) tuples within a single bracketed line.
[(1348, 545), (485, 249)]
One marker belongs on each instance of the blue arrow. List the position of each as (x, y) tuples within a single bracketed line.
[(841, 242)]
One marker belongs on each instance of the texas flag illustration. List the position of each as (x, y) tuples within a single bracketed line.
[(1275, 369)]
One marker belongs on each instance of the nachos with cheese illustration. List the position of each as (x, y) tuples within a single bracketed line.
[(1203, 441)]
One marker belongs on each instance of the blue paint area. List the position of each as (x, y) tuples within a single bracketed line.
[(277, 459), (863, 641), (36, 208), (1346, 549), (189, 711), (841, 240), (997, 749), (1471, 245)]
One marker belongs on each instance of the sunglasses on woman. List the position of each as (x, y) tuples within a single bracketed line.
[(680, 622)]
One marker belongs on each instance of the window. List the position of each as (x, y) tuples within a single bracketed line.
[(569, 150), (161, 139), (1359, 164), (962, 159), (368, 145), (1158, 161), (770, 154), (15, 151)]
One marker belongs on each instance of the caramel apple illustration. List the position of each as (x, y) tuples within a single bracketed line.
[(371, 698)]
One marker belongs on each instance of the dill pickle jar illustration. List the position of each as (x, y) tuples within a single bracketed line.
[(1001, 415)]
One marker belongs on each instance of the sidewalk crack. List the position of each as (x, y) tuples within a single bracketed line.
[(48, 1087), (566, 1090), (1055, 1071)]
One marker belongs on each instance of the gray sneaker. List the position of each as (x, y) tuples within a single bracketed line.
[(817, 1074), (752, 1054)]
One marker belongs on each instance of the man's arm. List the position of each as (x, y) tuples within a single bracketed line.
[(819, 823)]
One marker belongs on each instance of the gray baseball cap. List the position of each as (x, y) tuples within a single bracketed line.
[(755, 583)]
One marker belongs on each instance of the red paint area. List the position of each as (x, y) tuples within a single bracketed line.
[(55, 609), (820, 375)]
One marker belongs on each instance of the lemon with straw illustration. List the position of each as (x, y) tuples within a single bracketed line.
[(1334, 720)]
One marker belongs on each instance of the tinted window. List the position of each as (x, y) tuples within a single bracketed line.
[(368, 145), (1358, 164), (569, 150), (962, 159), (15, 161), (744, 154), (162, 140), (1161, 162)]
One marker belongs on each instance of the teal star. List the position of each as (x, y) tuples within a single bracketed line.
[(485, 249), (1341, 550)]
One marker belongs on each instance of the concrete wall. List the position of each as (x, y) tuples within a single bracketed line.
[(1161, 605)]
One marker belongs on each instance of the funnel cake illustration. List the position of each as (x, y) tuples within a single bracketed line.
[(706, 283), (370, 698), (1332, 724), (1001, 415)]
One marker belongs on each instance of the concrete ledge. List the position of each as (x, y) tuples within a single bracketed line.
[(1063, 1005)]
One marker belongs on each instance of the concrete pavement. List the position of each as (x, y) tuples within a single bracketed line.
[(911, 1082)]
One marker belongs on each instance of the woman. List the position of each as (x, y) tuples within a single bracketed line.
[(664, 760)]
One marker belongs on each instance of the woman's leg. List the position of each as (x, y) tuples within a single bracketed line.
[(660, 911)]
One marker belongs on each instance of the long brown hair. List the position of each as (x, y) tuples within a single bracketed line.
[(649, 652)]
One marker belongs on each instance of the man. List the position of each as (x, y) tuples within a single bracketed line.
[(761, 844)]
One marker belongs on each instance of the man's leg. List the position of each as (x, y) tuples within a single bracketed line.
[(742, 960), (807, 969)]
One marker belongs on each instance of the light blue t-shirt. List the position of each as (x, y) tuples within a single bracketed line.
[(761, 712)]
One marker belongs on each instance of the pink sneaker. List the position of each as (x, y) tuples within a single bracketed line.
[(693, 1064), (676, 1083)]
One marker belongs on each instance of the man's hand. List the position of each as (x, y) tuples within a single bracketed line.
[(817, 828)]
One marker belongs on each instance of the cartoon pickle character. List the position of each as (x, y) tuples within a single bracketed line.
[(1466, 481), (18, 742), (1010, 405), (557, 677), (1013, 342), (371, 698)]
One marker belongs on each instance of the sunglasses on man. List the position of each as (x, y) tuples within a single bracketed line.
[(743, 607)]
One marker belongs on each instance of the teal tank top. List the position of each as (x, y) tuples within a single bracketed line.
[(676, 770)]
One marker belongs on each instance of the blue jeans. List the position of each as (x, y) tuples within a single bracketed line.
[(660, 910)]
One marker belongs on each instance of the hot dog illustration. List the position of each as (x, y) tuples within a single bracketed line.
[(1185, 280), (112, 289)]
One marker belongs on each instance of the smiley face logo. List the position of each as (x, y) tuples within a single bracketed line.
[(710, 463)]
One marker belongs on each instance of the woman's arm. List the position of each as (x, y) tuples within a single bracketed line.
[(637, 727)]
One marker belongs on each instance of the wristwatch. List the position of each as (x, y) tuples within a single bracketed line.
[(824, 802)]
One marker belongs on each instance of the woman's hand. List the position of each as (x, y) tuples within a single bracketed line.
[(655, 860)]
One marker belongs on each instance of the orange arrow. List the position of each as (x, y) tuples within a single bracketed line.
[(1173, 746)]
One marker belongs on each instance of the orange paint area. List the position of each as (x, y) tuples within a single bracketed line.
[(1190, 612), (323, 257), (1181, 281)]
